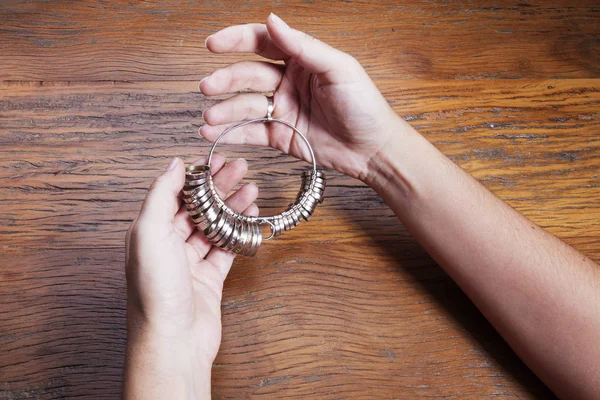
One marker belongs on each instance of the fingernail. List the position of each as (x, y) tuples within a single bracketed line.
[(278, 21), (206, 40), (172, 164), (242, 160), (202, 80)]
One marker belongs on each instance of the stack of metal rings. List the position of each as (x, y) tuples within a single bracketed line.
[(240, 233), (311, 193)]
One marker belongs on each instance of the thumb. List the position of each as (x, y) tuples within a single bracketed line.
[(314, 55), (162, 201)]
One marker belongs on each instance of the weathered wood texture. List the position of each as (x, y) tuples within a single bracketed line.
[(163, 40), (370, 316)]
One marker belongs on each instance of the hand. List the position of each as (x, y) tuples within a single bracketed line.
[(325, 93), (175, 282)]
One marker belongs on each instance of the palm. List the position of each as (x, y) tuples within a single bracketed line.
[(331, 115), (174, 273), (205, 287), (188, 295)]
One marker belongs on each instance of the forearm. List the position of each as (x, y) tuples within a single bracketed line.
[(542, 295), (157, 367)]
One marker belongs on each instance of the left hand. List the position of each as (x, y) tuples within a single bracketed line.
[(322, 91), (175, 282)]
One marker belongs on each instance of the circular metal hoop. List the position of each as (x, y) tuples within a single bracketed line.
[(240, 233), (265, 119)]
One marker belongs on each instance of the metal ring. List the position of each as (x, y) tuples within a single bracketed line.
[(265, 119), (234, 231), (270, 108), (272, 226)]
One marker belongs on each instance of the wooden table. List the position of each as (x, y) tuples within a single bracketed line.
[(97, 96)]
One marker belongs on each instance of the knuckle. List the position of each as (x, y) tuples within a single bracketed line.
[(354, 65), (351, 59), (232, 78), (241, 39)]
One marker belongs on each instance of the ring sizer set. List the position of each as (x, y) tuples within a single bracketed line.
[(240, 233)]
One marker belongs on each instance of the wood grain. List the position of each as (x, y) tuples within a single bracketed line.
[(386, 322), (62, 324), (92, 149), (152, 40), (97, 96)]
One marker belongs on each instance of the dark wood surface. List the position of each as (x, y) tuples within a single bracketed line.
[(97, 96)]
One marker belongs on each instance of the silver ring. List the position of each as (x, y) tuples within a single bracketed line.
[(241, 233), (270, 108)]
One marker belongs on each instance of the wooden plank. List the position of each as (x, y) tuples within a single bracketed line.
[(384, 323), (372, 317), (76, 159), (62, 324), (125, 41)]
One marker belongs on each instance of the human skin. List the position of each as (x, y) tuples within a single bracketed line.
[(541, 295), (174, 288)]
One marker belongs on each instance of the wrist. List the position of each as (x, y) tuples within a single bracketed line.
[(165, 366), (388, 167), (406, 171)]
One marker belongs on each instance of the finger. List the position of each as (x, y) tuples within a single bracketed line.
[(249, 38), (229, 176), (237, 108), (314, 55), (252, 134), (253, 76), (252, 210), (162, 202), (223, 259), (278, 137), (243, 198), (217, 162), (182, 223)]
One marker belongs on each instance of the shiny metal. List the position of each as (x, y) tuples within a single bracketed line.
[(240, 233), (270, 108)]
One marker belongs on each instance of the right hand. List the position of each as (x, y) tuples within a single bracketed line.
[(324, 92)]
